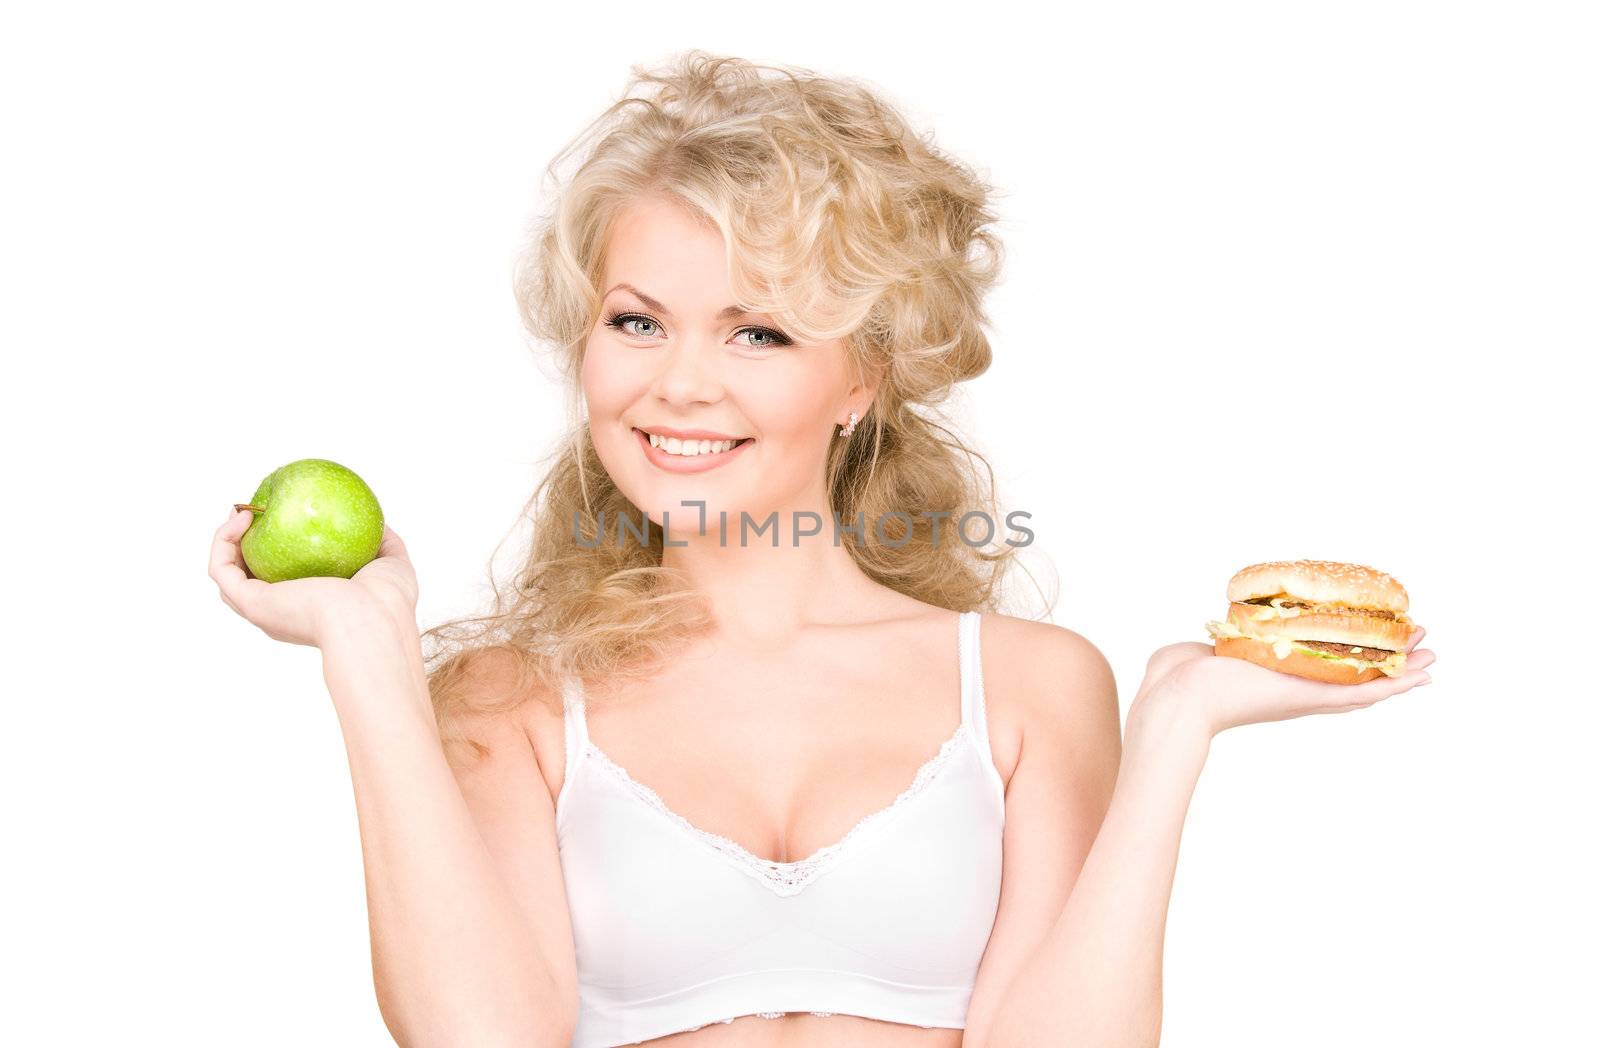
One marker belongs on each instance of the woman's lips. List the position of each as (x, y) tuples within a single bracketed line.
[(687, 463)]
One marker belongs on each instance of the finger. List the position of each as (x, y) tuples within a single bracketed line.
[(1416, 638), (1419, 659), (225, 543), (1328, 697), (236, 524), (1369, 692), (227, 567), (228, 522)]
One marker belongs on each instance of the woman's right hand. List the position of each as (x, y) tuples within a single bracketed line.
[(1216, 692), (301, 611)]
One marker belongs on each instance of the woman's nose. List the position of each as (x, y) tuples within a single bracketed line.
[(689, 372)]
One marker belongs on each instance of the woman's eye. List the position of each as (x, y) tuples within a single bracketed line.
[(620, 321), (769, 339), (773, 339)]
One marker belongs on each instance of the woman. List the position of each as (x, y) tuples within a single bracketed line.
[(746, 755)]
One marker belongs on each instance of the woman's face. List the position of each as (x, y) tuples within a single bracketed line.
[(671, 352)]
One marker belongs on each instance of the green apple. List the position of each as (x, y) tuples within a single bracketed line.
[(311, 518)]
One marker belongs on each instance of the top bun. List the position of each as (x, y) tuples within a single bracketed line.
[(1320, 581)]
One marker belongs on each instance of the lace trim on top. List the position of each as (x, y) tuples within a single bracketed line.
[(764, 1015), (783, 878), (767, 1015)]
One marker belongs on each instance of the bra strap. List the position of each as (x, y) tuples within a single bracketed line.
[(973, 710), (970, 710), (575, 723)]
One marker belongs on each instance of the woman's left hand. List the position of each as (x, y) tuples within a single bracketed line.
[(1217, 692)]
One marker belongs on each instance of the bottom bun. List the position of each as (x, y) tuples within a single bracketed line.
[(1298, 662)]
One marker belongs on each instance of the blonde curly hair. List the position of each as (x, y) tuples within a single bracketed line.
[(841, 223)]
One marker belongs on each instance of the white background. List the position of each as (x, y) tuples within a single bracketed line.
[(1283, 280)]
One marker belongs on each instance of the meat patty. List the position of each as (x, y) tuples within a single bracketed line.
[(1374, 612), (1370, 654)]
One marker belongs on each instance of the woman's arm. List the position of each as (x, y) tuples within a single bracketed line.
[(454, 962), (1095, 980)]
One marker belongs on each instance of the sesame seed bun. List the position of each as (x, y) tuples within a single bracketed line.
[(1321, 581)]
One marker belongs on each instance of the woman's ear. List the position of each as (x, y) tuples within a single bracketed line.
[(866, 390)]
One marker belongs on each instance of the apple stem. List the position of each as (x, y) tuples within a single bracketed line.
[(237, 506)]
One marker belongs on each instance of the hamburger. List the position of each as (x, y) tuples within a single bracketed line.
[(1340, 623)]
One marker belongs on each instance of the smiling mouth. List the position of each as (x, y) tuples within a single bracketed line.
[(705, 448)]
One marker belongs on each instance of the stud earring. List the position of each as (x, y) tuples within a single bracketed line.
[(845, 431)]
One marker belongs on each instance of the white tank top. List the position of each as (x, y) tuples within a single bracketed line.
[(677, 928)]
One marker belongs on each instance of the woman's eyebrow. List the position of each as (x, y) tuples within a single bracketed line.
[(727, 312)]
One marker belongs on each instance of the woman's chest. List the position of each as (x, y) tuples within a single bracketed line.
[(676, 927), (788, 775), (842, 858)]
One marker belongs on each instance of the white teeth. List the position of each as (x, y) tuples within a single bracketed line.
[(690, 448)]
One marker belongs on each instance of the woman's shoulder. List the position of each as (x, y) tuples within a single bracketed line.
[(1032, 640), (501, 703), (1034, 669)]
